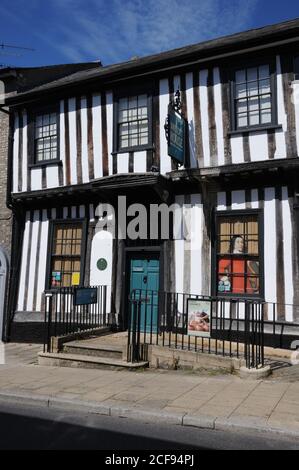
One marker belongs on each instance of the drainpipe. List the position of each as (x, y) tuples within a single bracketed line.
[(18, 221)]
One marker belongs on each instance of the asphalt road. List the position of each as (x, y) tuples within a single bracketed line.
[(43, 428)]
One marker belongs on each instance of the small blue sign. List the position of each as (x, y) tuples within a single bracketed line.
[(85, 296)]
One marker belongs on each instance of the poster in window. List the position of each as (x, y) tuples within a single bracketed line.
[(56, 278), (253, 270), (224, 281), (199, 318), (75, 279)]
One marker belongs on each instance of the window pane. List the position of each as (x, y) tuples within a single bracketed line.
[(265, 102), (142, 113), (142, 101), (39, 121), (252, 74), (242, 120), (253, 104), (124, 142), (254, 118), (143, 139), (241, 76), (252, 88), (46, 119), (242, 106), (133, 102), (53, 119), (124, 129), (241, 91), (253, 269), (123, 115), (224, 278), (265, 87), (264, 71), (238, 279), (133, 141), (266, 117), (133, 114), (123, 104)]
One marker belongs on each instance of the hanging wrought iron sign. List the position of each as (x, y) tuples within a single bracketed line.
[(175, 130)]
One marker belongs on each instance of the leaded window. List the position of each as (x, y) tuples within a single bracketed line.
[(238, 255), (66, 255)]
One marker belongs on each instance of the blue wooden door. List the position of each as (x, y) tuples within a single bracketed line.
[(144, 283)]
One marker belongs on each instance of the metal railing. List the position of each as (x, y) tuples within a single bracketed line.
[(233, 328), (64, 317)]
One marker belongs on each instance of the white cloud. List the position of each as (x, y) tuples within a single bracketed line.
[(119, 29)]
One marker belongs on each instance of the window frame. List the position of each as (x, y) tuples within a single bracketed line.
[(238, 213), (273, 90), (64, 222), (116, 140), (32, 155)]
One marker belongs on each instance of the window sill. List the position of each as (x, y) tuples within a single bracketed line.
[(45, 164), (133, 149), (247, 130)]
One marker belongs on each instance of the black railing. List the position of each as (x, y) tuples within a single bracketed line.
[(63, 317), (230, 327)]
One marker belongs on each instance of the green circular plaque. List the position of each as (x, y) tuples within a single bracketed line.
[(102, 264)]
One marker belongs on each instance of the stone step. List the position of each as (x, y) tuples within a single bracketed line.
[(86, 362), (93, 350)]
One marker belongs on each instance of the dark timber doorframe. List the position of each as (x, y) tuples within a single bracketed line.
[(129, 253)]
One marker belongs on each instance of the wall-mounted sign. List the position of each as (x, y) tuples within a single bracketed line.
[(199, 318), (102, 264), (175, 129), (85, 296)]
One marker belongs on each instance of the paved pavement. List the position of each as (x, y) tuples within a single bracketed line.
[(219, 402)]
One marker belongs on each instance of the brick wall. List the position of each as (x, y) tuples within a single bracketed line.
[(5, 214)]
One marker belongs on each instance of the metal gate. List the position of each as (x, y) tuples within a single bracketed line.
[(3, 274)]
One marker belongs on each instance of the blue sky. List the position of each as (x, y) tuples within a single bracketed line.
[(63, 31)]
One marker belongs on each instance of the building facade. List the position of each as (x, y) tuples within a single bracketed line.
[(14, 80), (83, 141)]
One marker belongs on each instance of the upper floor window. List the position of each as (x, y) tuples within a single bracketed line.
[(45, 137), (253, 97), (133, 122)]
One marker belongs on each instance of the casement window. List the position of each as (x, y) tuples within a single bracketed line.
[(253, 93), (238, 258), (45, 137), (133, 122), (66, 255)]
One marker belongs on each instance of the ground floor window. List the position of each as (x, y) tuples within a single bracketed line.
[(65, 270), (238, 245)]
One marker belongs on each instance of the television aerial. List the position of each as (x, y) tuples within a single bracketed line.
[(12, 51)]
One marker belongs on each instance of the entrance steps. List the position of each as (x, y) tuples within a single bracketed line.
[(93, 353)]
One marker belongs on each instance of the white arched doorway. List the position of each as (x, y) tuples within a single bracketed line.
[(3, 274)]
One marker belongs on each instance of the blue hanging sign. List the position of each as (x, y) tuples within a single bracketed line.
[(175, 130)]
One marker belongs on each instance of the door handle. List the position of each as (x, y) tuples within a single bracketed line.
[(144, 279)]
